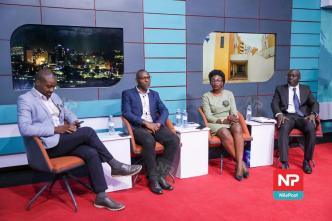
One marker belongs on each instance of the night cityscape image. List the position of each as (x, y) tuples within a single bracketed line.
[(79, 56)]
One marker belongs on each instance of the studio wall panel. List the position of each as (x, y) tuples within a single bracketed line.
[(7, 94), (195, 58), (165, 65), (305, 39), (164, 21), (74, 17), (77, 94), (168, 79), (132, 24), (268, 87), (133, 57), (305, 51), (165, 50), (82, 4), (199, 27), (242, 8), (272, 9), (306, 27), (164, 6), (13, 16), (164, 36), (22, 2), (120, 5), (205, 8), (306, 15), (5, 62), (309, 4), (282, 58), (241, 25), (114, 92)]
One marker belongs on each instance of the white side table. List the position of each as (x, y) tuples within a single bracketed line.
[(261, 147), (193, 156), (119, 147)]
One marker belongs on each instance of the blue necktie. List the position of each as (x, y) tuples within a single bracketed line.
[(297, 103)]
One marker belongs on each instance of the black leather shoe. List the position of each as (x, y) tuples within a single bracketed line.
[(284, 165), (306, 167), (164, 184), (121, 169), (155, 187), (108, 204)]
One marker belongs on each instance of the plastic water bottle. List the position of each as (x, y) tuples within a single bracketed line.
[(248, 114), (184, 119), (111, 125), (178, 118)]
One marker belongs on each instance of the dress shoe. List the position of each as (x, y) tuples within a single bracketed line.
[(164, 184), (121, 169), (155, 187), (284, 165), (306, 167), (108, 204)]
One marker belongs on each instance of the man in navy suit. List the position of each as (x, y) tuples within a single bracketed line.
[(42, 113), (294, 106), (147, 114)]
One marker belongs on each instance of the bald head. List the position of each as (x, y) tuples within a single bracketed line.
[(45, 82), (43, 74)]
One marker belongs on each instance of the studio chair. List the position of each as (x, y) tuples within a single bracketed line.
[(215, 141), (136, 150), (296, 134), (39, 160)]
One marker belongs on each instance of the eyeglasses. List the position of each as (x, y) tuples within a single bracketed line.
[(216, 81), (145, 78)]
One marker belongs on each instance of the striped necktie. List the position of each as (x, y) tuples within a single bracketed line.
[(297, 103)]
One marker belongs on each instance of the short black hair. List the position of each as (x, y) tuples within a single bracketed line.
[(139, 72), (294, 70), (217, 72), (42, 73)]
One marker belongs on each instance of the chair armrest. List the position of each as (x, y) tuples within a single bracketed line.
[(170, 125), (245, 131), (130, 132)]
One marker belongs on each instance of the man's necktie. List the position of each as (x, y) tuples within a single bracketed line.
[(297, 103)]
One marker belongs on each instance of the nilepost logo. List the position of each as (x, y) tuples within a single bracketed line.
[(288, 184)]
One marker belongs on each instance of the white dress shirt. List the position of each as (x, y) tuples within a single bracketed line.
[(291, 107), (146, 115), (51, 107)]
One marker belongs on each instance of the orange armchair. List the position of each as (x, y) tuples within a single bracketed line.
[(39, 160), (214, 141), (137, 149)]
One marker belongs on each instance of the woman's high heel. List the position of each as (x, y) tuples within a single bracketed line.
[(245, 171), (237, 176)]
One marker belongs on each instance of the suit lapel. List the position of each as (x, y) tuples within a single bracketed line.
[(302, 95), (138, 98), (39, 100), (286, 92)]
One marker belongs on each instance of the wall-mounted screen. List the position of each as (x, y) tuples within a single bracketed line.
[(243, 57), (80, 56)]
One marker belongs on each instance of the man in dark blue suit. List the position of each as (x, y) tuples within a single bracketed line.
[(294, 106), (147, 114)]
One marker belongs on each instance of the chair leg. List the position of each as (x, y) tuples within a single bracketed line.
[(52, 183), (65, 180), (79, 181), (28, 207), (172, 177)]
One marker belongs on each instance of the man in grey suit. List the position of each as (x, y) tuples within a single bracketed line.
[(42, 113), (294, 106)]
